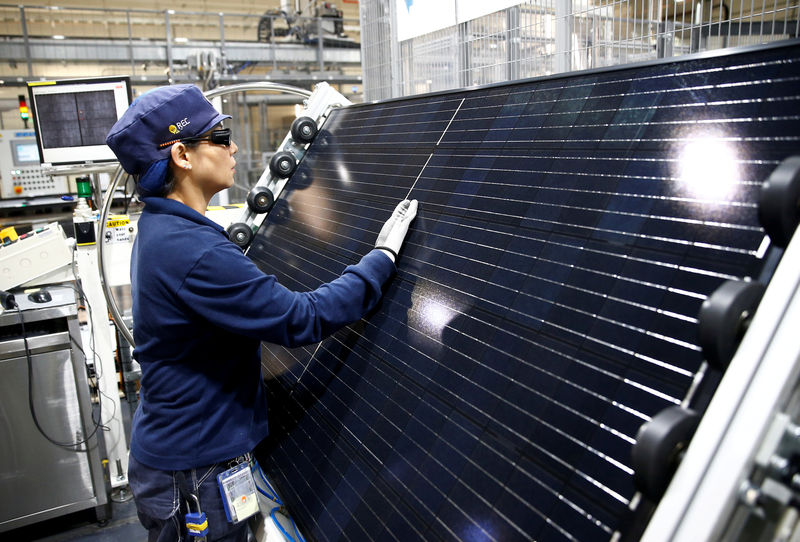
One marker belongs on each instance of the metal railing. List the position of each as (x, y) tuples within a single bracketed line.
[(148, 43)]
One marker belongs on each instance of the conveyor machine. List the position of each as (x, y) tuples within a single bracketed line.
[(590, 248), (271, 183), (600, 288)]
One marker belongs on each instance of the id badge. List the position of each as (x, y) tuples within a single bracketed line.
[(238, 490)]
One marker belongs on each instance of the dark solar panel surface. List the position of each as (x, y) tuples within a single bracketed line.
[(546, 298)]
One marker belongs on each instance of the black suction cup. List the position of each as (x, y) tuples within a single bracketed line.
[(260, 199), (779, 202), (724, 318), (304, 129), (282, 164), (241, 234), (659, 448)]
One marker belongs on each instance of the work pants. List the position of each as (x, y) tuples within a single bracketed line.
[(161, 506)]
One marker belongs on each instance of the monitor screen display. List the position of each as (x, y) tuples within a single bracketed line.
[(25, 152), (72, 117)]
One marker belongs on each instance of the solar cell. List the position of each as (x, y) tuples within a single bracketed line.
[(546, 299)]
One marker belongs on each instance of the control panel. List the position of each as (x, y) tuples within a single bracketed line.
[(21, 175)]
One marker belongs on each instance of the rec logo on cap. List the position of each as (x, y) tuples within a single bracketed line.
[(178, 126)]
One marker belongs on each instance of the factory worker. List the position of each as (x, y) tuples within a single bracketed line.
[(201, 308)]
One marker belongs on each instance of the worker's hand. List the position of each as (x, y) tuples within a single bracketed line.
[(393, 233)]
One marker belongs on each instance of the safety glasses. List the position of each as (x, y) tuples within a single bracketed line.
[(217, 137)]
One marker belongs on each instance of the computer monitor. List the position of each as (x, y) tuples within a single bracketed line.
[(72, 117)]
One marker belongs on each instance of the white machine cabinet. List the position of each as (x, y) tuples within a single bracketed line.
[(41, 480)]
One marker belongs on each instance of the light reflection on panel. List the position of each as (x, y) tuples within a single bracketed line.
[(546, 298)]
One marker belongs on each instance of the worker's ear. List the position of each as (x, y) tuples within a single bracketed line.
[(179, 156)]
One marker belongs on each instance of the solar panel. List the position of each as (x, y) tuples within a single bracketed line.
[(546, 299)]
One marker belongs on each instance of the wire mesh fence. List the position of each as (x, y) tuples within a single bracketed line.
[(541, 37)]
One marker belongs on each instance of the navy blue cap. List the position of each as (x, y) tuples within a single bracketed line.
[(142, 137)]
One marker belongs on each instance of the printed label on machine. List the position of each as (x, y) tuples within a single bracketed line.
[(118, 229)]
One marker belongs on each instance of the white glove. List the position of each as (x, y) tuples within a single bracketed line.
[(393, 233)]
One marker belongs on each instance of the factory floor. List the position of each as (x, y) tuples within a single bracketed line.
[(122, 526)]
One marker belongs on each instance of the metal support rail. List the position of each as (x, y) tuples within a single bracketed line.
[(120, 174)]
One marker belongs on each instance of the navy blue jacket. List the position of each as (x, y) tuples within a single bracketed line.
[(200, 310)]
